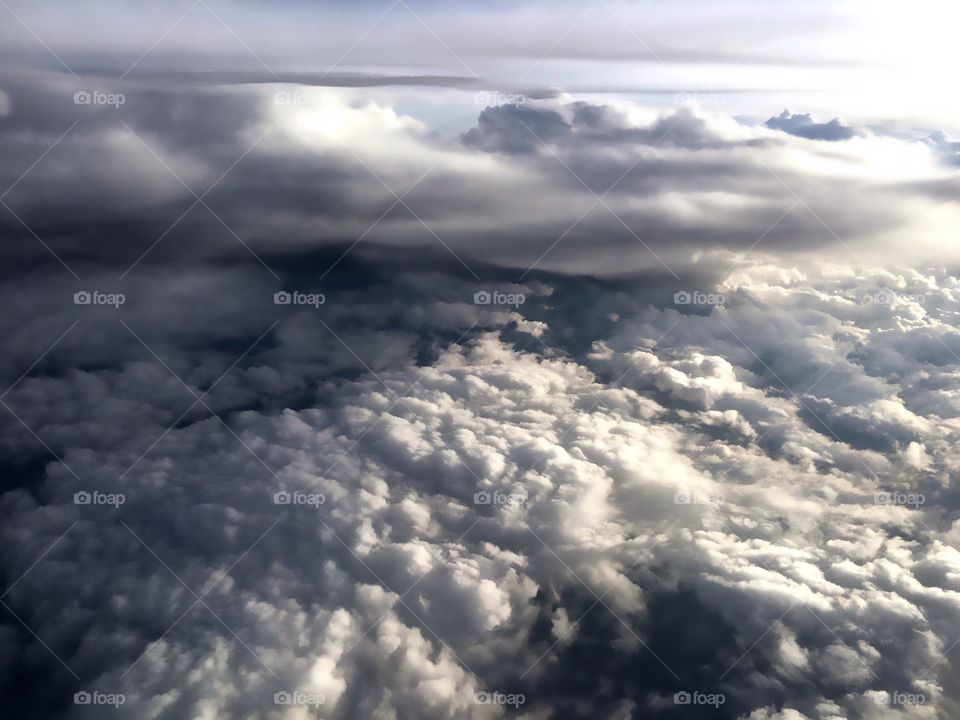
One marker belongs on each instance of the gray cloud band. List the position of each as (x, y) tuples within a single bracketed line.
[(584, 187)]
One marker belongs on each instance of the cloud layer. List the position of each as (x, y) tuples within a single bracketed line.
[(553, 184), (703, 501), (412, 383)]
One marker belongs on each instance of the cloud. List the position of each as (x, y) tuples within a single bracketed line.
[(944, 144), (335, 388), (681, 190), (804, 126), (514, 129), (667, 471)]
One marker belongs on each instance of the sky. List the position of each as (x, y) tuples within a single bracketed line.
[(457, 360)]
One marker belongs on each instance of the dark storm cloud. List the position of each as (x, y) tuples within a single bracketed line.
[(600, 673), (803, 125), (518, 129), (515, 130)]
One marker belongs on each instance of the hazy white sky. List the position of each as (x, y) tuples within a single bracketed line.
[(863, 59)]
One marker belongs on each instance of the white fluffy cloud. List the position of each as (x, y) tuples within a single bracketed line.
[(639, 471)]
